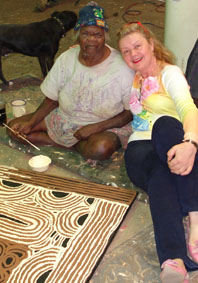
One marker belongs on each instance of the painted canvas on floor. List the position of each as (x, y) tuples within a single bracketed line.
[(57, 232)]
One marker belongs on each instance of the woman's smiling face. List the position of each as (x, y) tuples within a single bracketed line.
[(92, 40), (137, 52)]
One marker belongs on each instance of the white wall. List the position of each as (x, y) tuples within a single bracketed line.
[(181, 28)]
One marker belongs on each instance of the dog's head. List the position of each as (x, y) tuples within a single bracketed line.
[(67, 18)]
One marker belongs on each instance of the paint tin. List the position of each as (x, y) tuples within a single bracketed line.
[(18, 107)]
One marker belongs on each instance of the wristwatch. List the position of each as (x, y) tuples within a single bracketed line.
[(193, 142)]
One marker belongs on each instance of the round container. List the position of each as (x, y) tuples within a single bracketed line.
[(39, 163), (18, 107)]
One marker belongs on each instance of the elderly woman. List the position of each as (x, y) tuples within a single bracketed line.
[(161, 156), (87, 95)]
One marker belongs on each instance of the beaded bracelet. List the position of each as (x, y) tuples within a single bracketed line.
[(193, 142)]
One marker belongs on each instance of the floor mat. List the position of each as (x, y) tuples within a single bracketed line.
[(55, 229)]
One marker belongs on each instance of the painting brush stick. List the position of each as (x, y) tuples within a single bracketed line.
[(20, 136)]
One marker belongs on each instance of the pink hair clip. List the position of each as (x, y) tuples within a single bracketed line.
[(140, 24), (144, 29)]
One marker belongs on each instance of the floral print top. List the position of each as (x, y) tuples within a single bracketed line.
[(153, 97)]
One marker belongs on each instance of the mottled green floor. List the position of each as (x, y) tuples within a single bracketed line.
[(110, 172)]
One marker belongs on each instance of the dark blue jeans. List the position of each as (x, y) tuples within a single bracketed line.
[(171, 196)]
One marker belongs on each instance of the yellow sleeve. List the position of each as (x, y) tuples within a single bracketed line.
[(178, 89)]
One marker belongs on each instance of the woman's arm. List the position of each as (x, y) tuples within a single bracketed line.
[(181, 157), (190, 125), (43, 110), (23, 126), (117, 121)]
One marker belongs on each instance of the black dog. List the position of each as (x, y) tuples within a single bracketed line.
[(38, 39)]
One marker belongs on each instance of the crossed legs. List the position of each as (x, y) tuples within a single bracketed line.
[(171, 196), (97, 147)]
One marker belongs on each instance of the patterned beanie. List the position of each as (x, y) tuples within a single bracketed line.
[(91, 15)]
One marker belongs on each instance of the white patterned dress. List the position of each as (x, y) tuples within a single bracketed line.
[(86, 95)]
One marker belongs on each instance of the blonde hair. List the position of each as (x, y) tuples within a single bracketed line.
[(160, 51)]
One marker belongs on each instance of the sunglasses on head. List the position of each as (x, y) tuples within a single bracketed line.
[(140, 24)]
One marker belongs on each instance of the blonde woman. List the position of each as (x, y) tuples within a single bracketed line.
[(161, 157)]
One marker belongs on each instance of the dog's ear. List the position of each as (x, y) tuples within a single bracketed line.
[(68, 18), (71, 19), (55, 14)]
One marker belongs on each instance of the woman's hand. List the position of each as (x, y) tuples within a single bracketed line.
[(23, 128), (181, 157), (117, 121), (86, 131)]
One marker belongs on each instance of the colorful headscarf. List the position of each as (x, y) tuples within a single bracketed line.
[(91, 15)]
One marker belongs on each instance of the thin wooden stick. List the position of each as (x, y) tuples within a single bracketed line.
[(20, 136)]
